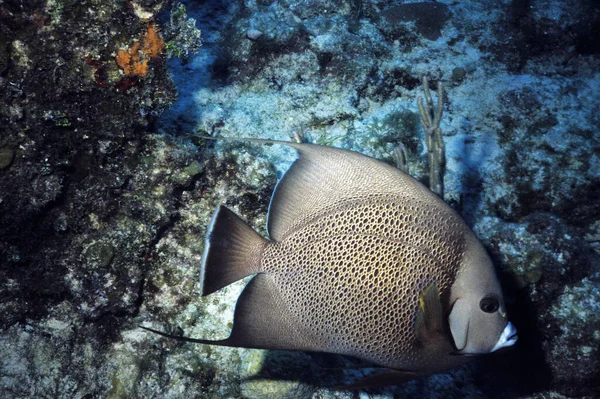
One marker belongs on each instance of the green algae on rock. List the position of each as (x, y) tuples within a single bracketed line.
[(7, 155)]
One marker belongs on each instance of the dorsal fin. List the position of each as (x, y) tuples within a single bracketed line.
[(323, 175)]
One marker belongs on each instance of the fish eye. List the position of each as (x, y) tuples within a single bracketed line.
[(489, 304)]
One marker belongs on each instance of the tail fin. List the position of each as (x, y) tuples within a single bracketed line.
[(232, 251)]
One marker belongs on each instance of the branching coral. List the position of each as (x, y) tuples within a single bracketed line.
[(433, 136)]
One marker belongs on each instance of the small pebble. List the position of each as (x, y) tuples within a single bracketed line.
[(253, 34)]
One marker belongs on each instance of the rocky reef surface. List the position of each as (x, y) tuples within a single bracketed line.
[(107, 186)]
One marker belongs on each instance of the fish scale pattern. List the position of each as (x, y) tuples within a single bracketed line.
[(352, 276)]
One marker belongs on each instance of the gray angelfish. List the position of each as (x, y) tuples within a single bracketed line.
[(362, 260)]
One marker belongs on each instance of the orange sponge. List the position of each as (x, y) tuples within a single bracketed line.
[(134, 60)]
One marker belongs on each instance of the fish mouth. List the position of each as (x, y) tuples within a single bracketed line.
[(508, 337)]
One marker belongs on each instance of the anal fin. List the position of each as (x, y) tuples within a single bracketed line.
[(261, 319)]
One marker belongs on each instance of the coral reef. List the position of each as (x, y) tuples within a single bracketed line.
[(107, 186)]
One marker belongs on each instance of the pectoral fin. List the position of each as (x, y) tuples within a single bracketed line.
[(429, 324)]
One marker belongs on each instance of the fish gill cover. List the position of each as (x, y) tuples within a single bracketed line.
[(107, 188)]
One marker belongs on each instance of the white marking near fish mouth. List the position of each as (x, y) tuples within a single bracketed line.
[(507, 338)]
